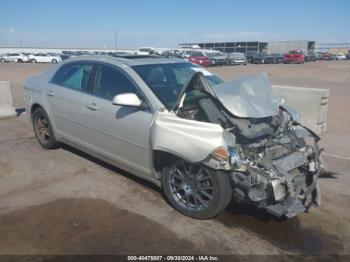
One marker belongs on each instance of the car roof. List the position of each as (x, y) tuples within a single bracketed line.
[(129, 59)]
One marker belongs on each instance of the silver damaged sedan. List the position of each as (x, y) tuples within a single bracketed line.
[(203, 140)]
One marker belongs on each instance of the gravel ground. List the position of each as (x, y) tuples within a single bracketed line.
[(66, 202)]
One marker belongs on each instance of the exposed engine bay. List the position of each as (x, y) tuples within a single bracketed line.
[(273, 160)]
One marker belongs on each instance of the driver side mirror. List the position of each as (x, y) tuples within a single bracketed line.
[(127, 99)]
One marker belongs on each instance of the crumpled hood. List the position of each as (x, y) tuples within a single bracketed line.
[(250, 96)]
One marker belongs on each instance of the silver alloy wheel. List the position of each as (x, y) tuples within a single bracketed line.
[(43, 129), (191, 185)]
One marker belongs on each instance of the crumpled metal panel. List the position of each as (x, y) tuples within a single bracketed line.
[(191, 140), (250, 96)]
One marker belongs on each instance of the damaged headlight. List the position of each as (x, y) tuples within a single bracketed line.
[(221, 153), (235, 159), (229, 155)]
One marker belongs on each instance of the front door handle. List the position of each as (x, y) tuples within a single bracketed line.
[(93, 107), (50, 93)]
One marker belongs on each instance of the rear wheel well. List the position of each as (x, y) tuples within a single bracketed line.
[(162, 159)]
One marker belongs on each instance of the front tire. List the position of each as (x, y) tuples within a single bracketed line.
[(54, 61), (43, 129), (195, 190), (33, 61)]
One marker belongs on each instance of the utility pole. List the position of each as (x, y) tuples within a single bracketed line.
[(116, 40)]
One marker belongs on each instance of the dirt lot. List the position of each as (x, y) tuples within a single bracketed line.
[(65, 202)]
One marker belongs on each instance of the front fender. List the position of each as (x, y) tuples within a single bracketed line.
[(190, 140)]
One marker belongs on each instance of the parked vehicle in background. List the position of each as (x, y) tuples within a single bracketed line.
[(199, 58), (318, 55), (334, 57), (340, 56), (44, 58), (279, 58), (185, 54), (250, 54), (145, 51), (66, 52), (273, 58), (121, 53), (258, 59), (64, 56), (310, 57), (99, 53), (294, 56), (326, 56), (14, 57), (216, 58), (205, 142), (236, 58), (172, 53)]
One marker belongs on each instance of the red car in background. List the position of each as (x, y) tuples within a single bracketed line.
[(326, 56), (200, 59), (294, 56)]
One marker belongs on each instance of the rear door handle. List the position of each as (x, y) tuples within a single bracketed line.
[(93, 107), (50, 93)]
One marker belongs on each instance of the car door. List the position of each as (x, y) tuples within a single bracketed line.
[(66, 94), (120, 133), (12, 57), (40, 58), (37, 58), (45, 58)]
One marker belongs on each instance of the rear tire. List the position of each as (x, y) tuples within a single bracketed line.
[(195, 190), (2, 60), (54, 61), (43, 129), (33, 61), (19, 61)]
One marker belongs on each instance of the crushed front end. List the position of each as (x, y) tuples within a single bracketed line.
[(273, 160), (278, 170)]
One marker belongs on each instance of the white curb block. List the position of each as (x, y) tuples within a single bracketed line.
[(6, 100)]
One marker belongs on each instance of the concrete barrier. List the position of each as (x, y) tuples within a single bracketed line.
[(311, 103), (6, 100)]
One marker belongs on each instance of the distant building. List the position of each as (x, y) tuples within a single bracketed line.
[(229, 47), (333, 48), (282, 47)]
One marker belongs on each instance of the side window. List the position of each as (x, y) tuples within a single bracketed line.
[(74, 76), (110, 82)]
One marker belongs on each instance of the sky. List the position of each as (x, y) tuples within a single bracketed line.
[(165, 23)]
